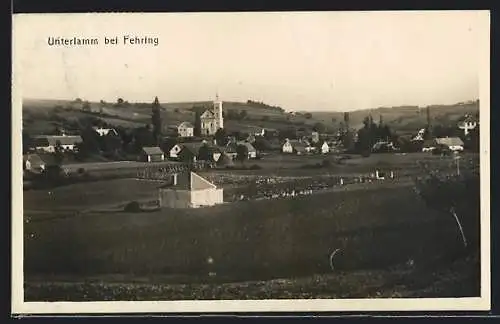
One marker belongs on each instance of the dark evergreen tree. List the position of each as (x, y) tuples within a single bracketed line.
[(156, 121), (197, 123)]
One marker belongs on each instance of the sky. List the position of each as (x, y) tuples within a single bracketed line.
[(316, 61)]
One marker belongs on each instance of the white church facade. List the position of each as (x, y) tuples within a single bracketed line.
[(212, 119)]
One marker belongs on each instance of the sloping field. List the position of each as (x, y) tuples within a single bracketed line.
[(247, 240)]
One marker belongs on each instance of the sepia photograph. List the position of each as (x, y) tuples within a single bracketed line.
[(251, 162)]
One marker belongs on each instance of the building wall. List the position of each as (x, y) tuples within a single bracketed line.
[(155, 157), (206, 197), (175, 198), (287, 148), (171, 198), (186, 131)]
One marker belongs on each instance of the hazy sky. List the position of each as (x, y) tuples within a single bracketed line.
[(300, 61)]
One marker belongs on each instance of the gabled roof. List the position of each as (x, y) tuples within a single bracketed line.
[(46, 140), (188, 181), (225, 160), (209, 113), (152, 150), (450, 141), (249, 146), (185, 125), (297, 145)]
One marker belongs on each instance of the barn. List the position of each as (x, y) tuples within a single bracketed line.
[(152, 154), (189, 190)]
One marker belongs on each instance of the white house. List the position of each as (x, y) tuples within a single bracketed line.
[(325, 149), (185, 129), (189, 190), (105, 131), (467, 124)]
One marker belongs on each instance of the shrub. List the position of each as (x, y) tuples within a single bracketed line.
[(255, 167), (132, 207)]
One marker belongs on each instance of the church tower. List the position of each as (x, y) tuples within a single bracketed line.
[(218, 111)]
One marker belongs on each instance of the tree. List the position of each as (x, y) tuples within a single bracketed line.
[(204, 153), (156, 121), (59, 155), (319, 127), (308, 115), (241, 153), (86, 106), (221, 137), (197, 123), (119, 101)]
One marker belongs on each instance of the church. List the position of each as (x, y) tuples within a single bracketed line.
[(212, 119)]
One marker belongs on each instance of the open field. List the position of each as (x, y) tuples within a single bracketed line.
[(254, 240)]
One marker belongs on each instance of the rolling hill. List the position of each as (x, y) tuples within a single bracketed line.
[(42, 116)]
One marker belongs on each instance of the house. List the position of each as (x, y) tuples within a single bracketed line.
[(467, 124), (453, 143), (48, 143), (315, 137), (105, 131), (189, 190), (231, 149), (325, 148), (294, 146), (38, 163), (212, 119), (191, 151), (185, 129), (152, 154)]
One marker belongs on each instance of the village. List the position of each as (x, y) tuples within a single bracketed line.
[(203, 144)]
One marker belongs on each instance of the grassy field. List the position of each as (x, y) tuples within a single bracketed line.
[(249, 241)]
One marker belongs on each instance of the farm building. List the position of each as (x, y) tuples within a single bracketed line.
[(152, 154), (190, 152), (231, 149), (38, 163), (294, 146), (453, 143), (185, 129), (48, 143), (189, 190)]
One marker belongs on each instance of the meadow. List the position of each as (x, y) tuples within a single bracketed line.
[(252, 242)]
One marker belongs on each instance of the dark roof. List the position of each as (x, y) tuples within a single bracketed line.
[(248, 145), (194, 148), (296, 144), (450, 141), (225, 160), (46, 140), (186, 125), (154, 150)]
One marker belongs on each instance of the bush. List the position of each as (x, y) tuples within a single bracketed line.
[(132, 207), (255, 167)]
